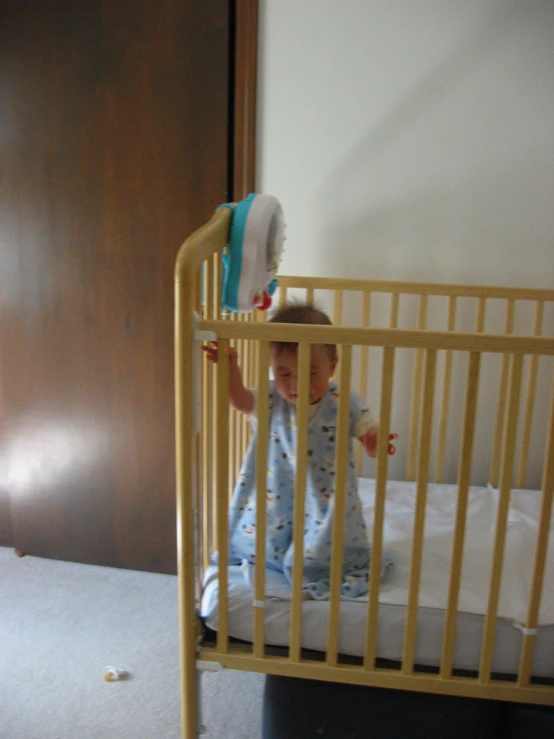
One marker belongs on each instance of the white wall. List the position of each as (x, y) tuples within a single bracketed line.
[(411, 140)]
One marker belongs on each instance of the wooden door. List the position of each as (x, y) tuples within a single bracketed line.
[(114, 146)]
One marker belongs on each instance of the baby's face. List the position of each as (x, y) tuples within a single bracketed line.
[(285, 370)]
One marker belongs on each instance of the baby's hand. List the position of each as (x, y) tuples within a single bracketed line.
[(369, 442), (212, 350)]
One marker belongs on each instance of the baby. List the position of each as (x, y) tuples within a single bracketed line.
[(320, 483)]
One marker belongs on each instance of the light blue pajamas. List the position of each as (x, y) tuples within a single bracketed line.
[(320, 487)]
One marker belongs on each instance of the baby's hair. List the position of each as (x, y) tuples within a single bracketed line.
[(303, 313)]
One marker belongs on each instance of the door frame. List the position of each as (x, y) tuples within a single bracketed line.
[(243, 104)]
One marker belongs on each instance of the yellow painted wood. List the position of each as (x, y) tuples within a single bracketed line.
[(416, 394), (395, 299), (445, 400), (480, 320), (261, 498), (198, 484), (419, 518), (218, 284), (509, 445), (240, 658), (337, 320), (541, 550), (464, 479), (222, 480), (530, 400), (417, 288), (302, 417), (341, 469), (207, 459), (400, 338), (186, 271), (501, 404), (364, 368), (379, 516)]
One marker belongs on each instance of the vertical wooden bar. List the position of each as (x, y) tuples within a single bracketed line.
[(208, 289), (218, 285), (245, 357), (445, 400), (239, 456), (199, 510), (394, 310), (480, 319), (221, 455), (379, 518), (541, 551), (421, 502), (530, 401), (416, 393), (464, 477), (302, 416), (207, 458), (261, 499), (510, 435), (501, 407), (310, 295), (364, 367), (282, 296), (341, 469), (337, 320)]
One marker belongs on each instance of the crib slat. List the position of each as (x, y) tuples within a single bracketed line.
[(337, 320), (395, 299), (480, 319), (282, 296), (419, 519), (261, 498), (310, 296), (341, 469), (445, 401), (464, 477), (541, 550), (207, 457), (510, 436), (218, 285), (199, 486), (530, 401), (222, 479), (501, 407), (364, 367), (379, 516), (302, 413), (416, 393), (245, 357)]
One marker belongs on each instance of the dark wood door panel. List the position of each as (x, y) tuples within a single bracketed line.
[(116, 149)]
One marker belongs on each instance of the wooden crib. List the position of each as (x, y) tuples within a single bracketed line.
[(440, 355)]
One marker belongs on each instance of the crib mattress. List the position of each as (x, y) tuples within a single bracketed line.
[(397, 537)]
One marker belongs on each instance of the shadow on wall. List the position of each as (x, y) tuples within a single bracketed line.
[(442, 224), (443, 231)]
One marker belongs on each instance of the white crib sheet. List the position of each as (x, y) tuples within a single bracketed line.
[(439, 524)]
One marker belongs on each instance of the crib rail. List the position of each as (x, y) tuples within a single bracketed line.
[(209, 453)]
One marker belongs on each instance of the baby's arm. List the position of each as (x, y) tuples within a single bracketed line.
[(240, 398), (369, 442), (366, 430)]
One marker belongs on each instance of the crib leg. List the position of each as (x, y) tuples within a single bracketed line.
[(203, 666), (201, 727)]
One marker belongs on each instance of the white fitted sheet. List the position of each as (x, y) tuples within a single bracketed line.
[(435, 573)]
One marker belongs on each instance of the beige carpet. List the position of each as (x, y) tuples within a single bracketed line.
[(61, 623)]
